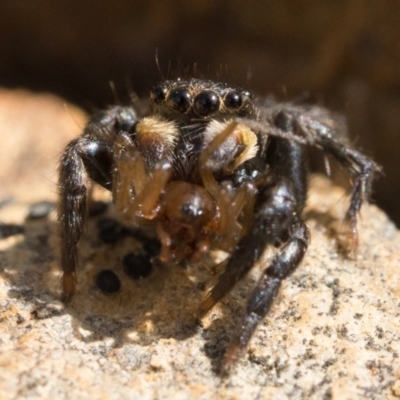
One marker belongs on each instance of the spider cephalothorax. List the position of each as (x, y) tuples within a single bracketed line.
[(211, 168), (201, 99)]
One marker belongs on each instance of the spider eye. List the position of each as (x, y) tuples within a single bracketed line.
[(233, 100), (206, 102), (247, 94), (158, 94), (180, 100)]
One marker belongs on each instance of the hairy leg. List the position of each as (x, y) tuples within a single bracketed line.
[(272, 219), (282, 265), (321, 132), (72, 213), (89, 157), (317, 127), (279, 203)]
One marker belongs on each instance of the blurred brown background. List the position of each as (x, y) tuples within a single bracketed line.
[(343, 54)]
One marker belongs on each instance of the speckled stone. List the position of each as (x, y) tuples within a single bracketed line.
[(333, 331)]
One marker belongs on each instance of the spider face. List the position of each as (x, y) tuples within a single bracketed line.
[(201, 99), (210, 168)]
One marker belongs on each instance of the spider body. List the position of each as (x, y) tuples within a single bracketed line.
[(211, 168)]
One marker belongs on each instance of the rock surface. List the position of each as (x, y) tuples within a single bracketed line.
[(333, 331)]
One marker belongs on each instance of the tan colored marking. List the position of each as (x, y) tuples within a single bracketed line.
[(249, 139), (157, 128), (212, 144), (241, 133)]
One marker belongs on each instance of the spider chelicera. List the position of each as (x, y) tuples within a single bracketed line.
[(210, 168)]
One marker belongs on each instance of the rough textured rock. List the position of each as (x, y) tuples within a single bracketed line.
[(333, 331)]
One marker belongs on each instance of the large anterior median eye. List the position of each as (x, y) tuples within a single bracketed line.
[(180, 100), (206, 103), (233, 100)]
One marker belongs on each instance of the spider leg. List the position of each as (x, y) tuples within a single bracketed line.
[(95, 146), (72, 213), (136, 192), (89, 157), (317, 127), (230, 205), (282, 265), (270, 222), (324, 136), (279, 204)]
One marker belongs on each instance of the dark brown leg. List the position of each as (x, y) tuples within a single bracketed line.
[(89, 157), (282, 265), (279, 203), (72, 213), (272, 219), (361, 167)]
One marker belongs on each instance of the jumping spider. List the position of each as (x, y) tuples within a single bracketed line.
[(210, 167)]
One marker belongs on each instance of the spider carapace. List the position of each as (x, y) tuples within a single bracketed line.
[(211, 168)]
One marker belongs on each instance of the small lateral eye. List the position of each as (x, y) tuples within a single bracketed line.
[(180, 100), (158, 94), (248, 94), (233, 100), (206, 102)]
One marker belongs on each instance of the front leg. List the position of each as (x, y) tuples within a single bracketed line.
[(273, 218), (280, 201), (72, 213), (89, 157), (281, 266)]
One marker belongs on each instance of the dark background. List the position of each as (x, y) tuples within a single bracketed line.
[(341, 54)]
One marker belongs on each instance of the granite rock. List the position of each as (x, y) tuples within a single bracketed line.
[(333, 331)]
